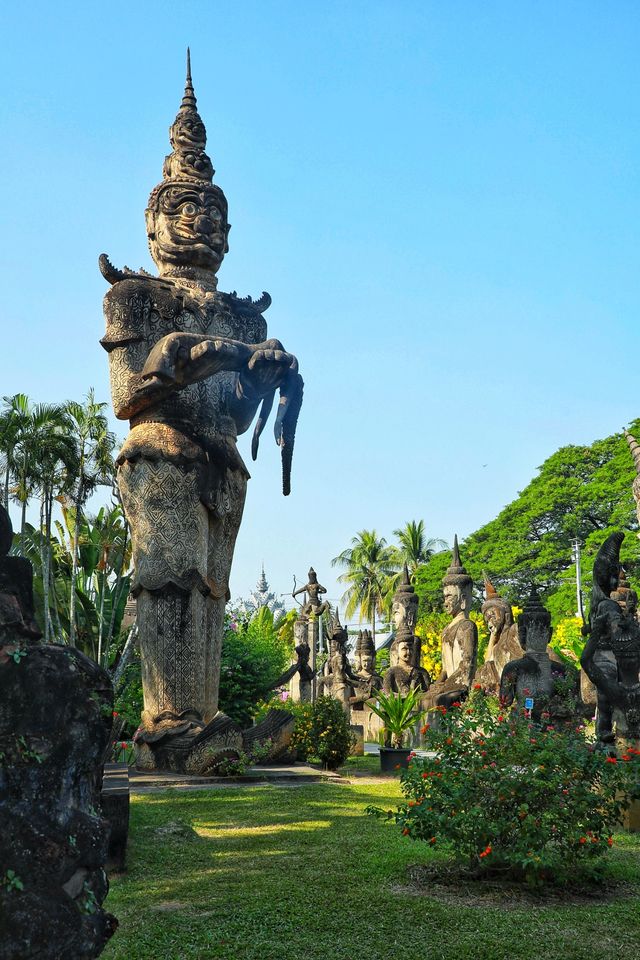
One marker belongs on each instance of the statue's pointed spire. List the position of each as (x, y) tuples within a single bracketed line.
[(490, 591), (405, 575), (456, 574), (189, 101), (634, 446)]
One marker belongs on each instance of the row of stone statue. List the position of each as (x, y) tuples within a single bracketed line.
[(519, 665)]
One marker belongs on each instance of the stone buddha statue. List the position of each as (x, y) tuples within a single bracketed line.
[(368, 679), (535, 676), (611, 657), (404, 616), (405, 676), (503, 643), (459, 638), (189, 368)]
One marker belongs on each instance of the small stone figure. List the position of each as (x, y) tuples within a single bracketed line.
[(405, 676), (503, 639), (369, 680), (302, 670), (459, 638), (55, 723), (313, 606), (339, 680), (536, 676), (611, 657)]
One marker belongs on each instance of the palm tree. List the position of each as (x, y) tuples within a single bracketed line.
[(95, 443), (48, 457), (415, 548), (369, 564), (13, 420)]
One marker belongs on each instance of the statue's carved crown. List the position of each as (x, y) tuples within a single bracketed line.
[(405, 592), (493, 599), (188, 162), (533, 613), (456, 575), (365, 644)]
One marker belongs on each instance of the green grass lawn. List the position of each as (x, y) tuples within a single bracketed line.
[(299, 873)]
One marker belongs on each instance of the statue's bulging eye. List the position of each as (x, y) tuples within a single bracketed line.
[(189, 209)]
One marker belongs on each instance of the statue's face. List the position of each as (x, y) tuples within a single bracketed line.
[(404, 653), (494, 619), (367, 662), (403, 614), (188, 228), (537, 637), (453, 601)]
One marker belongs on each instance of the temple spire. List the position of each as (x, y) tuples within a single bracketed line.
[(189, 99)]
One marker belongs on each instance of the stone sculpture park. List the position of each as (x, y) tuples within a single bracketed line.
[(190, 366)]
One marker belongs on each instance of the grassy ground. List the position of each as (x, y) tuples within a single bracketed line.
[(300, 873)]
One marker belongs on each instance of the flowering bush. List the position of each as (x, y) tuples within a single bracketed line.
[(506, 795), (322, 732)]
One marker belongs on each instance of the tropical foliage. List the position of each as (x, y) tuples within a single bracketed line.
[(398, 713), (506, 796)]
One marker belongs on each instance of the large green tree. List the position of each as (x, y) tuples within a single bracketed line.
[(580, 492)]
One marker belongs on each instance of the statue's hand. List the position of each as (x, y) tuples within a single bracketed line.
[(267, 370), (183, 358)]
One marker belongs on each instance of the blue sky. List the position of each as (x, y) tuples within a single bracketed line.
[(441, 199)]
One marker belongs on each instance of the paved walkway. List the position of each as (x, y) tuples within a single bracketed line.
[(141, 781)]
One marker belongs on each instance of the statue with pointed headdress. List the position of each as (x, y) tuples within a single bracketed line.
[(634, 447), (459, 638), (313, 606), (406, 672), (189, 368), (338, 681), (503, 643), (611, 656), (535, 677)]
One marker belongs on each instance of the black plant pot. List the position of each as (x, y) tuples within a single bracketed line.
[(393, 757)]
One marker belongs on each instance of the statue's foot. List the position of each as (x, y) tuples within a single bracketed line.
[(183, 743)]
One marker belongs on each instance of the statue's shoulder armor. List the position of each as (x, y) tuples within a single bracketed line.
[(243, 315), (136, 304)]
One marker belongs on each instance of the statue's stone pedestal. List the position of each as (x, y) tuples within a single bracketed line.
[(363, 716), (357, 750), (631, 819)]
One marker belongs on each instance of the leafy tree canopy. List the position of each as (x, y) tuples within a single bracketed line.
[(580, 492)]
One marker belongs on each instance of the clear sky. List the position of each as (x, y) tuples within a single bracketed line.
[(441, 197)]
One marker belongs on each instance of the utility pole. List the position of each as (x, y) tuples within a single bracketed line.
[(575, 556)]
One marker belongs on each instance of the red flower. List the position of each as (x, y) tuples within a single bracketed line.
[(115, 713), (611, 760), (610, 841), (397, 766), (449, 740), (477, 686), (456, 703), (500, 718), (583, 840), (405, 832), (433, 840), (486, 851), (425, 728)]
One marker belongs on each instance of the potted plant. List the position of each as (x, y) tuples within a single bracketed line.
[(398, 713)]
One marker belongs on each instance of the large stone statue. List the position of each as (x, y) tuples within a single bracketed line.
[(369, 680), (459, 638), (189, 368), (503, 643), (55, 723), (535, 676), (635, 453), (611, 657)]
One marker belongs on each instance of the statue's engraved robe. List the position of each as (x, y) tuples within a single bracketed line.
[(182, 483)]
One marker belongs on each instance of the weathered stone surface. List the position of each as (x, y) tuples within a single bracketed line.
[(503, 645), (459, 638), (189, 368), (313, 606), (277, 727), (114, 801), (55, 722), (611, 656), (339, 680), (405, 672), (536, 676)]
